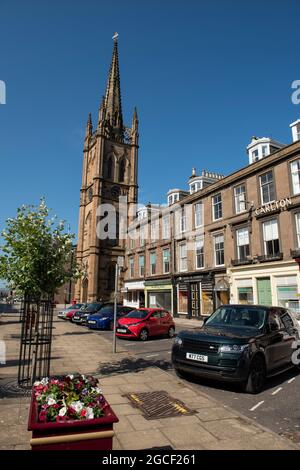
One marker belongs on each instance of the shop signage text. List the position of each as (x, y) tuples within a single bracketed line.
[(273, 206)]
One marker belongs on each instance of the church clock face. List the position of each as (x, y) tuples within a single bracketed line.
[(115, 191)]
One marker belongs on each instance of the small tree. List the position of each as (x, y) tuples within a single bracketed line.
[(37, 256)]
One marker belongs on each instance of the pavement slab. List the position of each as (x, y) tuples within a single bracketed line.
[(213, 426)]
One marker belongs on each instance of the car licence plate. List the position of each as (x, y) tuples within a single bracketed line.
[(121, 330), (92, 322), (197, 357), (76, 318)]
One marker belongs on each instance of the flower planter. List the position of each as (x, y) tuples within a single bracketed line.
[(84, 434)]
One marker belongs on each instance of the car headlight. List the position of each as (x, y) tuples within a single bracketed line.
[(104, 318), (134, 324), (233, 348), (178, 341)]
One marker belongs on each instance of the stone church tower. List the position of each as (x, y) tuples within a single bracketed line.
[(110, 165)]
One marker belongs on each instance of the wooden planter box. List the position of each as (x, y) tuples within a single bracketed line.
[(88, 434)]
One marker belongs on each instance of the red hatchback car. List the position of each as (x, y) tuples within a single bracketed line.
[(145, 322)]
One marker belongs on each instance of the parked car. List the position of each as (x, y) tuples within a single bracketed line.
[(72, 308), (104, 318), (81, 316), (145, 322), (238, 343)]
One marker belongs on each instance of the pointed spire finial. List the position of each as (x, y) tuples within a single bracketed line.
[(89, 127), (113, 106)]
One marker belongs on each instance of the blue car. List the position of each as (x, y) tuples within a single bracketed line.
[(104, 318)]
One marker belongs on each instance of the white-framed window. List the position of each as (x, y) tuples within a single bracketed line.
[(131, 267), (154, 230), (199, 252), (267, 187), (242, 243), (217, 206), (182, 222), (176, 197), (166, 260), (295, 172), (142, 235), (183, 257), (255, 155), (297, 219), (271, 238), (265, 150), (219, 249), (170, 199), (153, 263), (240, 198), (198, 208), (142, 265), (166, 227)]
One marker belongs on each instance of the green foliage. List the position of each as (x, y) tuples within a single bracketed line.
[(36, 256)]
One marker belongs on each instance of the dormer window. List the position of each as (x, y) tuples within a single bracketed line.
[(265, 150), (255, 155)]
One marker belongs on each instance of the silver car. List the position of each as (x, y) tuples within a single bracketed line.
[(62, 313)]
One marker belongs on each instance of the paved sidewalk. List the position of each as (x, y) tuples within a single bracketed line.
[(211, 426)]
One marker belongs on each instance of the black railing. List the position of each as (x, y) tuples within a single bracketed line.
[(239, 262), (295, 253), (270, 257), (36, 338)]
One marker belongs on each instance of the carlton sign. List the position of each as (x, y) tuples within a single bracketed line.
[(273, 206)]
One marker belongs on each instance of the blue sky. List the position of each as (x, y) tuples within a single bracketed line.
[(204, 75)]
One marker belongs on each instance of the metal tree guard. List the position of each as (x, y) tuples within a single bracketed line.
[(35, 344)]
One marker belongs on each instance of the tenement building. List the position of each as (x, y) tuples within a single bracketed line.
[(226, 239), (109, 171)]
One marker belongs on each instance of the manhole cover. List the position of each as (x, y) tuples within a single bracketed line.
[(158, 404), (10, 389)]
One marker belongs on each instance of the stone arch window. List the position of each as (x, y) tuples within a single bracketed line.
[(122, 168), (110, 168), (87, 230)]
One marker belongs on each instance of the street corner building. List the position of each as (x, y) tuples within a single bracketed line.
[(220, 240)]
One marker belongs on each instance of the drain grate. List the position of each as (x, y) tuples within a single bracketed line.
[(158, 404)]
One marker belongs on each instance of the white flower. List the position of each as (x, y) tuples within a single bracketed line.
[(62, 411), (77, 406), (97, 390), (51, 400), (71, 376), (89, 413), (44, 381)]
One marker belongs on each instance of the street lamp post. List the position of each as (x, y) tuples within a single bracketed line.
[(119, 265)]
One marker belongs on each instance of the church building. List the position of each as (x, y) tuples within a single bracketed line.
[(110, 165)]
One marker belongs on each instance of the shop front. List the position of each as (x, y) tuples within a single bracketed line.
[(158, 294), (195, 296), (277, 284), (134, 295)]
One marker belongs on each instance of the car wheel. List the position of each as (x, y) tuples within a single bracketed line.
[(144, 335), (171, 332), (256, 377)]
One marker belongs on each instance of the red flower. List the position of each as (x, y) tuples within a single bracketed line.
[(83, 413), (43, 416), (60, 419)]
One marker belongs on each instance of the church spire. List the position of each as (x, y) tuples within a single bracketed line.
[(113, 106)]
